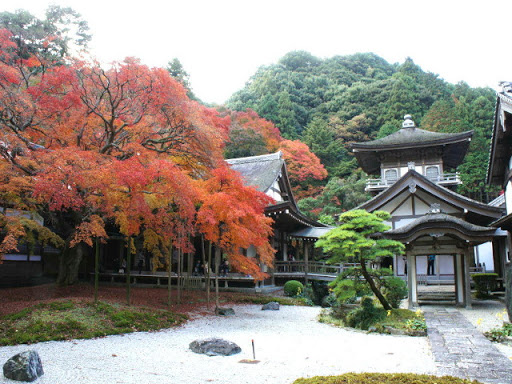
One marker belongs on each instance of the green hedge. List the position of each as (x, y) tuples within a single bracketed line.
[(383, 378), (293, 288), (485, 283)]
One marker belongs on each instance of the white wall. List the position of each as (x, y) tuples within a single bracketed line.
[(483, 254)]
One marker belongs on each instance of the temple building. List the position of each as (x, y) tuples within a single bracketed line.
[(499, 171), (415, 181), (294, 233)]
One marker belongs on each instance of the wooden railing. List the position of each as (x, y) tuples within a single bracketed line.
[(313, 267), (443, 179)]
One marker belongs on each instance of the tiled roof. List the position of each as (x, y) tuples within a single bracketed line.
[(433, 219), (259, 171), (414, 137)]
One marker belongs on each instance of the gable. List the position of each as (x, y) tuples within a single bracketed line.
[(413, 195)]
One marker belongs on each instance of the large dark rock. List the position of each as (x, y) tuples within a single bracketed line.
[(224, 311), (215, 347), (272, 306), (25, 366)]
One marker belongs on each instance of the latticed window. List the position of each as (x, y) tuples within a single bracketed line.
[(432, 173), (391, 175)]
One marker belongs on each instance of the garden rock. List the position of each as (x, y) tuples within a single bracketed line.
[(272, 306), (25, 366), (224, 311), (215, 347)]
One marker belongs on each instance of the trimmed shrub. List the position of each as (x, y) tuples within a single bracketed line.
[(384, 378), (293, 288), (320, 291), (394, 290), (485, 283), (366, 315)]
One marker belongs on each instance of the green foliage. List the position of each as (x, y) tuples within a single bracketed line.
[(384, 378), (366, 315), (64, 320), (394, 290), (176, 70), (416, 324), (349, 285), (337, 196), (243, 143), (485, 283), (330, 103), (499, 334), (355, 240), (293, 288), (395, 321), (49, 39), (267, 299), (319, 294)]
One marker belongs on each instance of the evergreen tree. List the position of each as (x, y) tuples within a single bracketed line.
[(355, 239), (286, 117)]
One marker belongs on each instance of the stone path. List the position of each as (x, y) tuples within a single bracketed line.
[(460, 350)]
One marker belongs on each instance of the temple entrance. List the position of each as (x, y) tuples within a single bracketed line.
[(439, 252), (435, 279)]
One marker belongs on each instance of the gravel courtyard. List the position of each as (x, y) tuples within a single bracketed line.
[(290, 343)]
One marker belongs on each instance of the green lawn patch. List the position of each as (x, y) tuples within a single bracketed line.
[(64, 320), (383, 378)]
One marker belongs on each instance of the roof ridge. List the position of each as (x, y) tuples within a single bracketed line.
[(251, 159)]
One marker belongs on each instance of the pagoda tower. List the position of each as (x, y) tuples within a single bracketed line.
[(415, 178), (432, 154)]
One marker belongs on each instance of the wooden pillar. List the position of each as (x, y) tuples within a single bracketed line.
[(467, 286), (411, 280), (459, 280), (306, 260)]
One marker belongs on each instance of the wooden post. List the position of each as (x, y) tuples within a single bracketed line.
[(459, 279), (411, 280), (306, 261), (467, 286)]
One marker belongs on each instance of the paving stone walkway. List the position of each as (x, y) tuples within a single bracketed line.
[(460, 350)]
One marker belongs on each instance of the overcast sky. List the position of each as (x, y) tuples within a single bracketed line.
[(221, 43)]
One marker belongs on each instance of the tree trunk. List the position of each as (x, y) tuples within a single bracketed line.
[(180, 277), (169, 274), (217, 264), (128, 270), (373, 287), (203, 257), (69, 263), (208, 268), (96, 269)]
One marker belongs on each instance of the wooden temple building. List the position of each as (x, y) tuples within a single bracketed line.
[(440, 228), (294, 233), (499, 171)]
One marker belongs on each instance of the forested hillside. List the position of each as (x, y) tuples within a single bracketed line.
[(330, 103)]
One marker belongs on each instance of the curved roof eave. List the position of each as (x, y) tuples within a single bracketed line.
[(375, 145), (441, 224)]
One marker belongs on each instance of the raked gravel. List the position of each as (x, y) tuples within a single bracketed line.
[(290, 343)]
